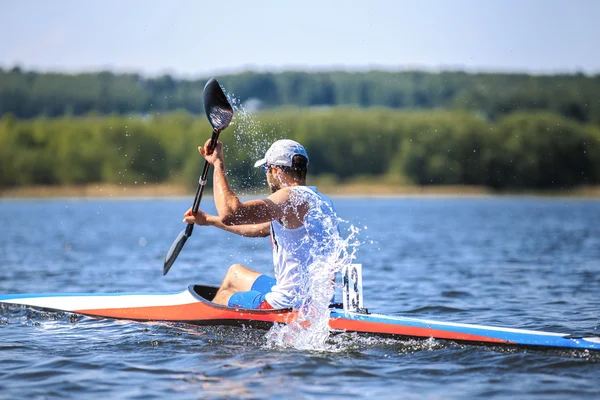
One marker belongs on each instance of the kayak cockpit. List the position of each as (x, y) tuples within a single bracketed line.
[(206, 293), (351, 293), (203, 292)]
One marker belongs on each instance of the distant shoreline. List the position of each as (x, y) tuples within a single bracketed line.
[(342, 190)]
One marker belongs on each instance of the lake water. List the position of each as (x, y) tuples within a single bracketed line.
[(520, 262)]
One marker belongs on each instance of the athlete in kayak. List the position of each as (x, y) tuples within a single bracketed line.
[(301, 221)]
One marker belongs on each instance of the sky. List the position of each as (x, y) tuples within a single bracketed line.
[(197, 38)]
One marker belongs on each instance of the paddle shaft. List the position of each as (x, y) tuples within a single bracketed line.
[(202, 181)]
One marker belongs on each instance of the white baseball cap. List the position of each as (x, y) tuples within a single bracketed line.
[(281, 153)]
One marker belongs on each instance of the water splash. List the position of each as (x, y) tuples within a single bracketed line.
[(251, 140), (219, 117), (248, 130), (311, 330)]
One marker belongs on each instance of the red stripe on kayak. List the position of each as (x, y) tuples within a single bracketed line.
[(191, 312), (204, 312), (390, 329)]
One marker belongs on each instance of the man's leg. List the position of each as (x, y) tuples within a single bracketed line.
[(237, 279)]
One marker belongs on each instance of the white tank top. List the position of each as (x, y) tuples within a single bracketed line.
[(294, 250)]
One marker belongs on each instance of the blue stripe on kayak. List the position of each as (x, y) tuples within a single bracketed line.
[(530, 338), (4, 297)]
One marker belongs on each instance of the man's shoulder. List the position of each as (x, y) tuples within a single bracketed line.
[(299, 190), (281, 195)]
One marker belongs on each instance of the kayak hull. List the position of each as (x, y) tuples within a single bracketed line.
[(189, 306), (193, 306)]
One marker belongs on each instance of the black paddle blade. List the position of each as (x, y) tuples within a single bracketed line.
[(174, 251), (217, 107)]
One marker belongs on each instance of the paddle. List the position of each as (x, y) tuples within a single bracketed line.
[(219, 113)]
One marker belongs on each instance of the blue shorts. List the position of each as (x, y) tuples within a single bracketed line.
[(255, 297)]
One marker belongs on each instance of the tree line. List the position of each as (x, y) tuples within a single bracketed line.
[(538, 149), (28, 94)]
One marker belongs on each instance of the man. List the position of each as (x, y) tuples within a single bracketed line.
[(301, 222)]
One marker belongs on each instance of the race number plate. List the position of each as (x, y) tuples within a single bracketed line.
[(352, 288)]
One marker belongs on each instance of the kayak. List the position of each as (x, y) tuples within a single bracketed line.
[(193, 306)]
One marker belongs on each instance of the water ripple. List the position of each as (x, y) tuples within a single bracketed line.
[(517, 262)]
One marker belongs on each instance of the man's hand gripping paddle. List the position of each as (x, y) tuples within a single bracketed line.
[(219, 113)]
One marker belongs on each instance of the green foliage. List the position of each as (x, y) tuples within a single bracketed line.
[(80, 150), (521, 150), (543, 150), (30, 94)]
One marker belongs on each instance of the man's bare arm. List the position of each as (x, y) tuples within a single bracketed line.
[(226, 201), (247, 230), (229, 207)]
